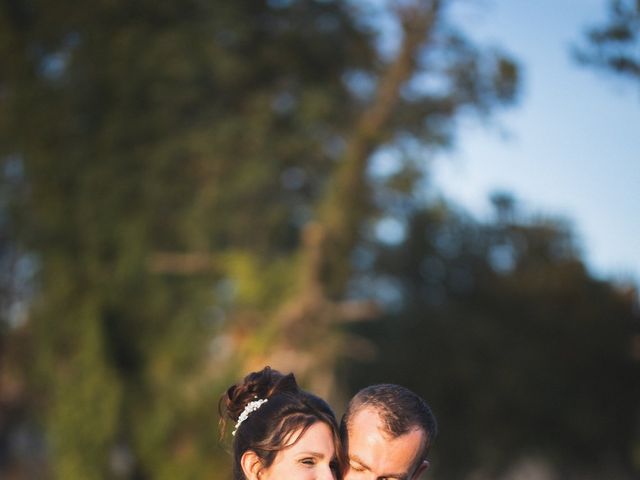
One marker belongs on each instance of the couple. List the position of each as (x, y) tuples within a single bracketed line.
[(285, 433)]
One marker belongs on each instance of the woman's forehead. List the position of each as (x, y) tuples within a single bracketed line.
[(318, 437)]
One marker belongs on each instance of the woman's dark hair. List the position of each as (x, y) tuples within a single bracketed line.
[(267, 430)]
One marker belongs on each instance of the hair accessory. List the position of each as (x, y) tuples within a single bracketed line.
[(251, 407)]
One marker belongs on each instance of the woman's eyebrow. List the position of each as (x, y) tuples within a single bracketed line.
[(313, 454)]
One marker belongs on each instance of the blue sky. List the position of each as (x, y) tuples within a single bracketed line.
[(569, 148)]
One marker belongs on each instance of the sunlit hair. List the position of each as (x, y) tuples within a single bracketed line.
[(278, 423), (400, 410)]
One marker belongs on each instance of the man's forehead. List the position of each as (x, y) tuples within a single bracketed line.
[(374, 447), (368, 420), (369, 417)]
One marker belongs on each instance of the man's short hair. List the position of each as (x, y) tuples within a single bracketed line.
[(400, 410)]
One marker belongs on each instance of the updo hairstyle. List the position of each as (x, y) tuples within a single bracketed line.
[(277, 423)]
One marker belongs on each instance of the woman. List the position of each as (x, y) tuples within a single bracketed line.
[(281, 432)]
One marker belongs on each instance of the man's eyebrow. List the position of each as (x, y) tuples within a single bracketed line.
[(358, 460)]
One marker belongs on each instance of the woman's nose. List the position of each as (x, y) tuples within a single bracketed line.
[(326, 473)]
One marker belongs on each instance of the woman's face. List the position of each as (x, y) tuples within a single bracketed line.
[(312, 457)]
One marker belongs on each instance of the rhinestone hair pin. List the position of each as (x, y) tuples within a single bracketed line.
[(250, 407)]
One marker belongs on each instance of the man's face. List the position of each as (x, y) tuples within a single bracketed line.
[(373, 455)]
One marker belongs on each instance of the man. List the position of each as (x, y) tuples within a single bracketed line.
[(387, 430)]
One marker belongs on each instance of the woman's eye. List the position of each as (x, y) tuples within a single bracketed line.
[(308, 461)]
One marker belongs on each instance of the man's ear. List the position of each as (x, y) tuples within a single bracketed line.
[(251, 465), (424, 466)]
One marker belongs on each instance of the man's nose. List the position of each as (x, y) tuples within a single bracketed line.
[(351, 475)]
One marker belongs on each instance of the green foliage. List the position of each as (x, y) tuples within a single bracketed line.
[(208, 133), (518, 349)]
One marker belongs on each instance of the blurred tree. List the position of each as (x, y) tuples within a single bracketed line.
[(519, 350), (194, 182), (615, 45), (20, 442)]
